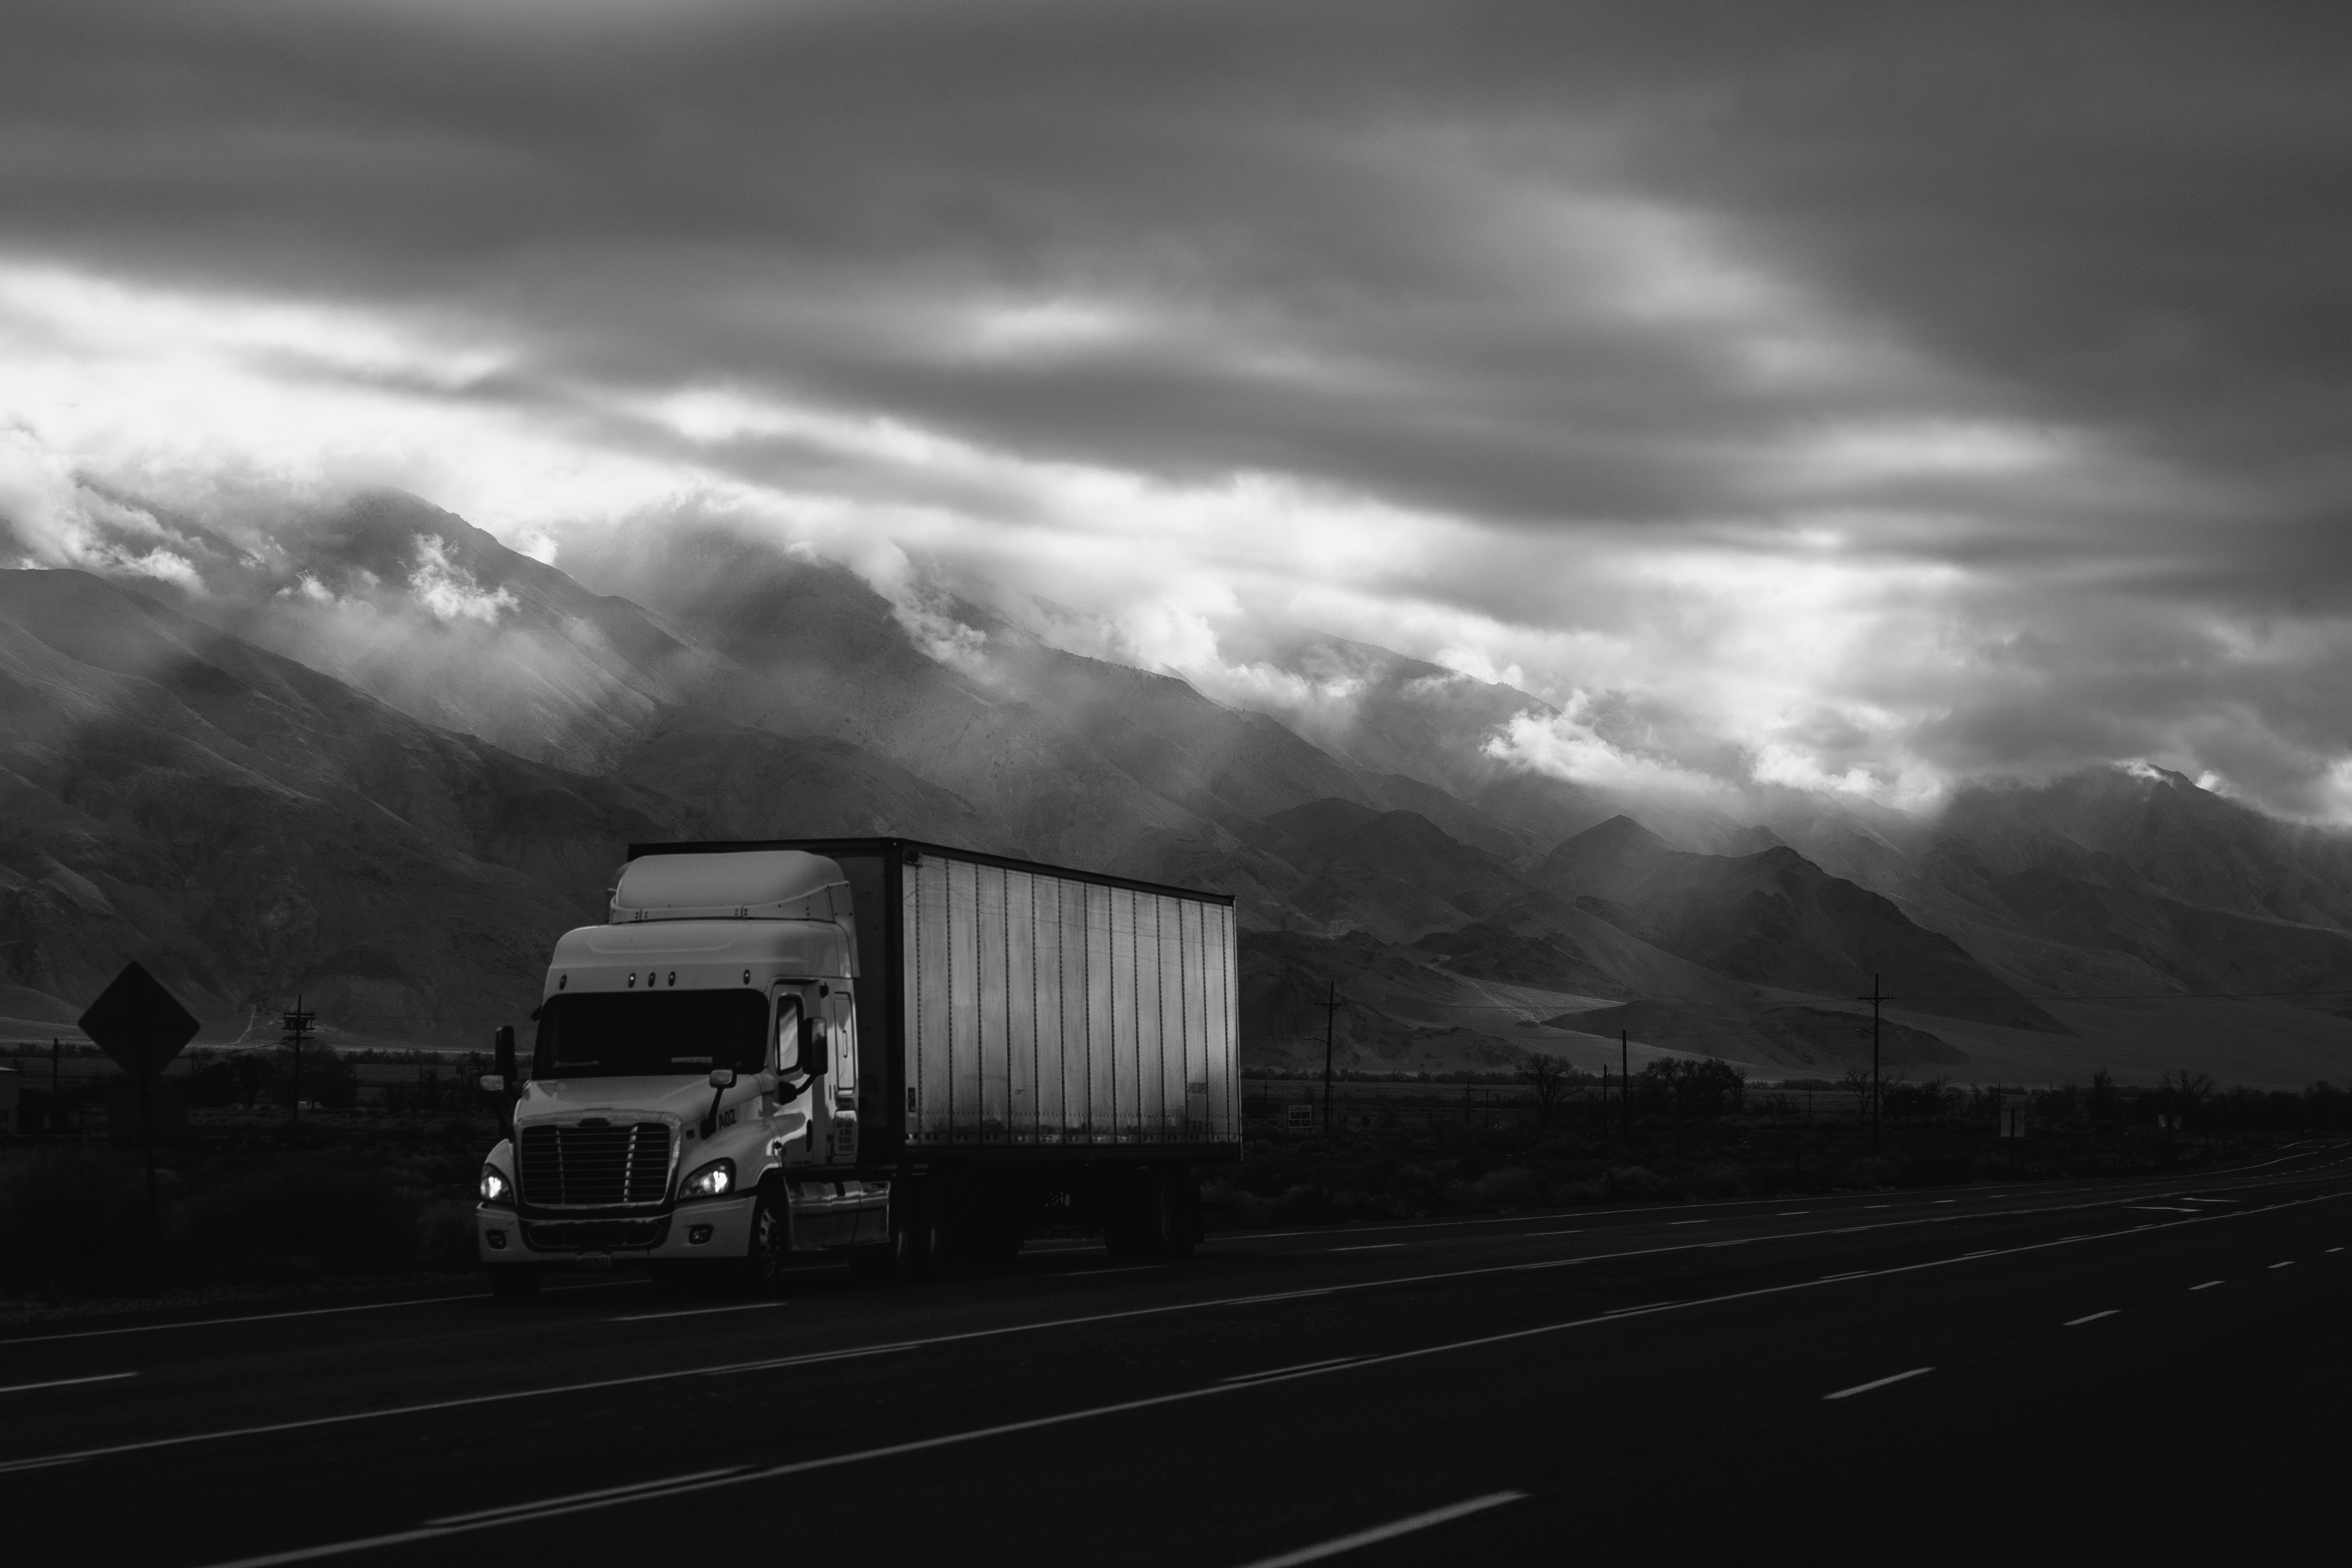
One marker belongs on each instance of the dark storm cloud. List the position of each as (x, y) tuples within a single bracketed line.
[(2045, 299)]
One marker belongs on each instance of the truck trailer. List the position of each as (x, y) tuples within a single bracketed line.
[(902, 1052)]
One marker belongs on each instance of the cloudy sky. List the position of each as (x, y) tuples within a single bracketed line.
[(1863, 397)]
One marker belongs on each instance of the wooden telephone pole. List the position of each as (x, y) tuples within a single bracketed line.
[(297, 1030), (1875, 999), (1331, 1004)]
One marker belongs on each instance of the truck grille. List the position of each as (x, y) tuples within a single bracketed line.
[(595, 1168), (595, 1234)]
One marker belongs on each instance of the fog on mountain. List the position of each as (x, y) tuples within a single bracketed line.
[(381, 759)]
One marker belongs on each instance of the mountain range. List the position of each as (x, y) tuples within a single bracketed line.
[(375, 759)]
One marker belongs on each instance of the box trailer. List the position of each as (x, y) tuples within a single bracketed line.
[(902, 1050)]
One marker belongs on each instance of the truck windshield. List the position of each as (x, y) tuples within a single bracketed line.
[(591, 1034)]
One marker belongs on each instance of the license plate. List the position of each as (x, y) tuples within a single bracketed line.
[(595, 1260)]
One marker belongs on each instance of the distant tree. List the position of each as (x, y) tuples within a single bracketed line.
[(1702, 1089), (2185, 1094), (1858, 1083), (2106, 1102), (1546, 1080)]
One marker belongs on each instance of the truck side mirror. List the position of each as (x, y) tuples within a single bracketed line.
[(494, 1084), (722, 1077), (813, 1051)]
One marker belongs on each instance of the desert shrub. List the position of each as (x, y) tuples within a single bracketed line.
[(301, 1215), (1513, 1186), (64, 1207), (1720, 1181), (1868, 1172), (1637, 1184)]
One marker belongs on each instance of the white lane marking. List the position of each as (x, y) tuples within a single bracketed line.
[(45, 1459), (2162, 1209), (2288, 1264), (813, 1356), (1388, 1531), (1366, 1247), (254, 1318), (1554, 1233), (1878, 1382), (2205, 1286), (322, 1312), (1122, 1268), (1284, 1371), (584, 1496), (1878, 1205), (699, 1311), (67, 1381), (1644, 1307), (1945, 1201), (1674, 1222), (2336, 1248), (1791, 1213), (337, 1549), (2091, 1318)]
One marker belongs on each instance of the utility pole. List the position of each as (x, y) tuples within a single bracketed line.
[(56, 1105), (1874, 997), (298, 1029), (1330, 1006), (1625, 1085)]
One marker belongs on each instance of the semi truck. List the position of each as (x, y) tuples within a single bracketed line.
[(895, 1051)]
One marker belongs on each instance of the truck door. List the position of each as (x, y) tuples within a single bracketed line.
[(867, 1216), (800, 1129)]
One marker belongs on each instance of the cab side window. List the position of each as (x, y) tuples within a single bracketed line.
[(786, 1045), (845, 1045)]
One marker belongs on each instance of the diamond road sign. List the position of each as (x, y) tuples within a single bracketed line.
[(139, 1023)]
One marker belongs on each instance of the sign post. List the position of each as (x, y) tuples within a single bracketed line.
[(141, 1026)]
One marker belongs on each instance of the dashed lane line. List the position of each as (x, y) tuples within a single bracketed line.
[(1879, 1382), (698, 1311), (2091, 1318), (2205, 1286), (67, 1381), (1388, 1531)]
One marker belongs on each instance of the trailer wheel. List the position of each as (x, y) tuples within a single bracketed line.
[(514, 1281), (1137, 1227), (1182, 1201)]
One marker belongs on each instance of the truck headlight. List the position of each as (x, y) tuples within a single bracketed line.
[(715, 1179), (495, 1188)]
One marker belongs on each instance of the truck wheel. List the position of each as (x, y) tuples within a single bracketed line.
[(1135, 1231), (514, 1281), (1182, 1204), (763, 1261)]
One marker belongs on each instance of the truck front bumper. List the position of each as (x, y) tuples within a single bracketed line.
[(714, 1229)]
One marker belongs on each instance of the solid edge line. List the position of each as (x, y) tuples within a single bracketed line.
[(698, 1311), (1881, 1382), (252, 1318), (582, 1497), (2090, 1318), (1388, 1531), (67, 1381)]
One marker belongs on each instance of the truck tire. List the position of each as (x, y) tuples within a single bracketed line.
[(1136, 1226), (1183, 1203), (763, 1264), (514, 1281)]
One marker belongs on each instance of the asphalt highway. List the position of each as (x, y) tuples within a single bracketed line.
[(2029, 1372)]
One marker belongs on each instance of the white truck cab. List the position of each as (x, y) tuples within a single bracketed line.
[(691, 1095)]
